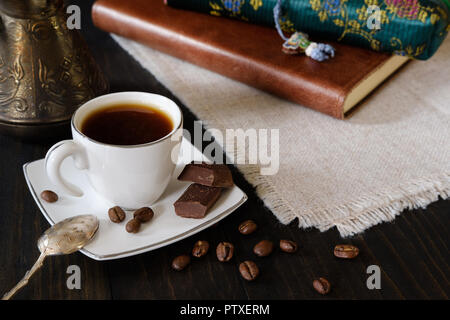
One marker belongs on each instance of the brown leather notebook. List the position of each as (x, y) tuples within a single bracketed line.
[(250, 54)]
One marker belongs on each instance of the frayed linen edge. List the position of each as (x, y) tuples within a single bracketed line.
[(351, 218)]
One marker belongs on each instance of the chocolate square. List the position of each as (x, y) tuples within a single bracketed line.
[(196, 201), (213, 175)]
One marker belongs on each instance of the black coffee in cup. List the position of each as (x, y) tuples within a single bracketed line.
[(127, 124)]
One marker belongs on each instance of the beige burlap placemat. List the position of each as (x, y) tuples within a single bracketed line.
[(392, 153)]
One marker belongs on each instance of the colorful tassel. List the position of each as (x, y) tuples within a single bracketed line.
[(298, 42)]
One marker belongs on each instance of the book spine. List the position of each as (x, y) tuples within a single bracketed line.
[(238, 67), (414, 28)]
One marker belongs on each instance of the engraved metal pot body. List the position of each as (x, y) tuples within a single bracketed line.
[(46, 70)]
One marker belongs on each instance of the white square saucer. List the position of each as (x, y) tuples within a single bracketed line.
[(112, 241)]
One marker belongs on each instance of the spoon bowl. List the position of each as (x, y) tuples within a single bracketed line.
[(68, 235)]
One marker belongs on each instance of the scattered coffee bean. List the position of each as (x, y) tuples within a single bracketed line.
[(181, 262), (322, 285), (144, 214), (288, 246), (116, 214), (247, 227), (49, 196), (249, 270), (224, 251), (133, 226), (200, 249), (346, 251), (263, 248)]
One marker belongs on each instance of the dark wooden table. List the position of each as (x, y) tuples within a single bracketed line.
[(412, 251)]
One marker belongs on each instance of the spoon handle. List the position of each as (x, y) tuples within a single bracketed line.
[(39, 262)]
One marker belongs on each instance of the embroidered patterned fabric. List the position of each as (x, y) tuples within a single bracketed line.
[(415, 28)]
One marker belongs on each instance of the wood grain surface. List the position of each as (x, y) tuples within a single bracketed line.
[(412, 251)]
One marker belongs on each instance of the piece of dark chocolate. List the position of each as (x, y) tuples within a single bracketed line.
[(196, 200), (213, 175)]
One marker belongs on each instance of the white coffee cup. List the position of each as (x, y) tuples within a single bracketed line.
[(128, 176)]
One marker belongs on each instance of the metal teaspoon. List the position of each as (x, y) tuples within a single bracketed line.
[(65, 237)]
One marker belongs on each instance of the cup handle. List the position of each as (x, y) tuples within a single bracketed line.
[(55, 157)]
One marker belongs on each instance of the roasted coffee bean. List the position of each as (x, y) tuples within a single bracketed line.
[(247, 227), (288, 246), (224, 251), (133, 226), (181, 262), (116, 214), (144, 214), (322, 285), (200, 249), (49, 196), (249, 270), (346, 251), (263, 248)]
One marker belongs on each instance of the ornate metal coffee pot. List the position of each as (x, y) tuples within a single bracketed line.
[(46, 70)]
